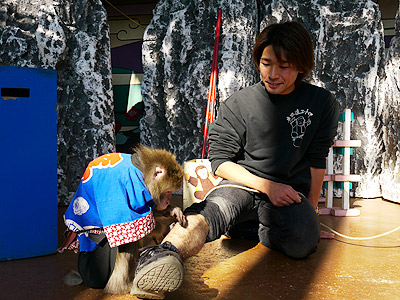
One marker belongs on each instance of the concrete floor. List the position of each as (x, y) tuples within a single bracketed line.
[(238, 269)]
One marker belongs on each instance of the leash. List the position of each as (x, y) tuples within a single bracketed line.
[(212, 86), (360, 238)]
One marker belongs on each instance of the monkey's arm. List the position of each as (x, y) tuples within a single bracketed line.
[(175, 211)]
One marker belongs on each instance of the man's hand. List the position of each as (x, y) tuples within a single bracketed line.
[(281, 194)]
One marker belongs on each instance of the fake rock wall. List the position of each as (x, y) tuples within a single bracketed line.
[(349, 60), (349, 57), (389, 108), (71, 37), (177, 59)]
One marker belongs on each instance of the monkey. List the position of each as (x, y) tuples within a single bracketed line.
[(116, 186)]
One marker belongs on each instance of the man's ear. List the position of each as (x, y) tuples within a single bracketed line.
[(158, 173)]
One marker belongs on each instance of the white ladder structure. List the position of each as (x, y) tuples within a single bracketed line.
[(344, 180)]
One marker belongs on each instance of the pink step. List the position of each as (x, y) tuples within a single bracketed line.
[(350, 178), (347, 143), (339, 212)]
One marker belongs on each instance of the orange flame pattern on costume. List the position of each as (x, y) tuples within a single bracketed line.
[(105, 161)]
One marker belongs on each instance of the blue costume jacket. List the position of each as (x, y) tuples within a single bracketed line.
[(112, 196)]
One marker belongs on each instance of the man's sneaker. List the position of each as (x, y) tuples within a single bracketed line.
[(159, 270)]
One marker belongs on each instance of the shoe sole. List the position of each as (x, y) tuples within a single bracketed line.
[(146, 295), (163, 275)]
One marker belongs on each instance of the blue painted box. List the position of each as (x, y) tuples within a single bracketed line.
[(28, 170)]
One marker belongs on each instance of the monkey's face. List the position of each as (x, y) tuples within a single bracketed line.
[(162, 174), (165, 199)]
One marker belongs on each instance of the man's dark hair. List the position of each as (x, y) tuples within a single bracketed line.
[(291, 39)]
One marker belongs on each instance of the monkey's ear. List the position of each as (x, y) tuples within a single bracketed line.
[(158, 173)]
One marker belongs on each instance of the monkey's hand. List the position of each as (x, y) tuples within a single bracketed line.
[(175, 211)]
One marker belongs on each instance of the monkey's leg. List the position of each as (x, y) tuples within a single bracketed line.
[(122, 276)]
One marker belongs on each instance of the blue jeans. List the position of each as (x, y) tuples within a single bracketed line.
[(292, 230)]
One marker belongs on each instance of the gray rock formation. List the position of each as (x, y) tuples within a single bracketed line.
[(349, 56), (177, 59), (389, 110), (71, 37), (349, 59)]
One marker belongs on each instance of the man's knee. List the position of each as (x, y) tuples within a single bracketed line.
[(301, 249), (303, 240), (294, 241)]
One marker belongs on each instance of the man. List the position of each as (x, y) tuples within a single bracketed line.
[(270, 142)]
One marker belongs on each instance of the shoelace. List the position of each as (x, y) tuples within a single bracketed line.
[(150, 251)]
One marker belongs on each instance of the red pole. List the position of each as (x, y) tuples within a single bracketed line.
[(212, 86)]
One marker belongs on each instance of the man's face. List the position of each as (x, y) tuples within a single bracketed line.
[(278, 77)]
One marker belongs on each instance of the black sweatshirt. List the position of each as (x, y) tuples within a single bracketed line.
[(277, 137)]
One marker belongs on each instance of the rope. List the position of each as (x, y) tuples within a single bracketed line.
[(322, 224), (230, 185), (125, 14), (360, 238), (212, 86)]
